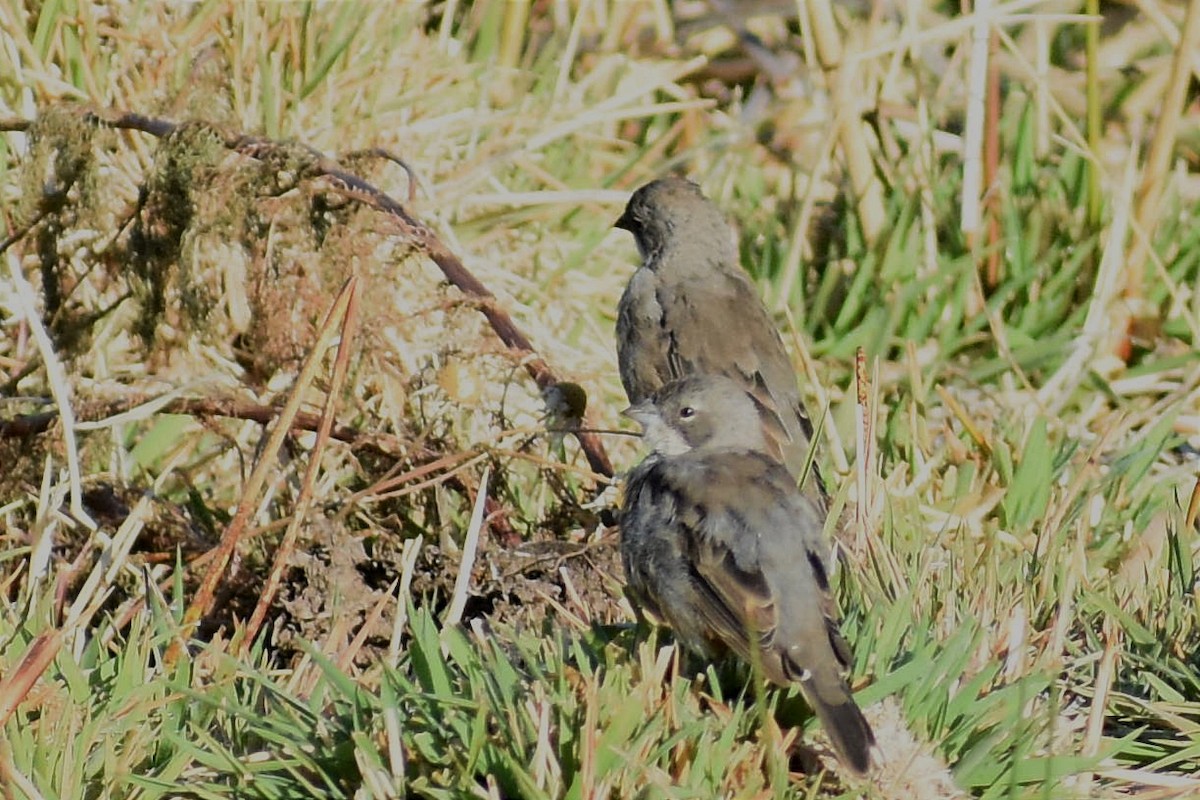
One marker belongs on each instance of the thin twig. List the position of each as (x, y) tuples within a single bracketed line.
[(408, 565), (348, 327), (458, 602), (972, 191), (203, 599), (60, 386)]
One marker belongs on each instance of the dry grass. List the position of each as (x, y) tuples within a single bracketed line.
[(1022, 591)]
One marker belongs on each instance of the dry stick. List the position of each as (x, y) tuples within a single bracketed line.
[(1105, 672), (1095, 119), (837, 448), (60, 385), (474, 459), (385, 444), (1152, 10), (973, 135), (458, 602), (991, 162), (1158, 159), (1193, 507), (925, 164), (867, 548), (346, 658), (32, 424), (349, 326), (22, 231), (387, 155), (863, 435), (382, 487), (420, 235), (408, 565), (960, 413), (1041, 83), (868, 193), (37, 659), (224, 551), (508, 332)]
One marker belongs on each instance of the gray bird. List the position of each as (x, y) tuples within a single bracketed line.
[(691, 309), (718, 543)]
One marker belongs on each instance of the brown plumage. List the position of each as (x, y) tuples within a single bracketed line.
[(718, 543), (691, 309)]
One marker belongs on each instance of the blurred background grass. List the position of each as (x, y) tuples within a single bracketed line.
[(1024, 588)]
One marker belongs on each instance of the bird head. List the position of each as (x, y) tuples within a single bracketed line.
[(702, 411), (659, 210)]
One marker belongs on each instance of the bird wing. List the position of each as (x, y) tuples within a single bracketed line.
[(643, 340), (757, 550), (657, 539), (723, 547), (732, 508), (717, 324)]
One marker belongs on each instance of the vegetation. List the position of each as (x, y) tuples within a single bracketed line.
[(207, 593)]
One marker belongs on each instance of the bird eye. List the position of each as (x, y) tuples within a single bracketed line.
[(687, 412)]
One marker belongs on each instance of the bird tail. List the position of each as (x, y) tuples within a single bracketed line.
[(844, 723)]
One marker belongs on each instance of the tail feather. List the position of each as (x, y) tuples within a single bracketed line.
[(846, 727)]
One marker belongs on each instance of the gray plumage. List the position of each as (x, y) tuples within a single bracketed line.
[(691, 309), (718, 543)]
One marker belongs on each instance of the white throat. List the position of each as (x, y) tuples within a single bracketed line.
[(662, 438)]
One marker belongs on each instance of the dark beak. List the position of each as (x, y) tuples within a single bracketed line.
[(641, 412), (625, 222)]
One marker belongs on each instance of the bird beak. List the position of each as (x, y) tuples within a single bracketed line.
[(642, 413), (624, 222)]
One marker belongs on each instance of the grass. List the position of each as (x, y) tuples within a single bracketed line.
[(1022, 603)]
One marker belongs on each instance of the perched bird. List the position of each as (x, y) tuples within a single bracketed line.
[(690, 308), (718, 543)]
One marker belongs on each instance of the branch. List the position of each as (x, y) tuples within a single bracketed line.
[(422, 237), (385, 444)]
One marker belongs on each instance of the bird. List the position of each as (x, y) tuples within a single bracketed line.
[(690, 308), (719, 544)]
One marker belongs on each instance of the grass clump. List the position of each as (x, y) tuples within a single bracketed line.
[(1021, 593)]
